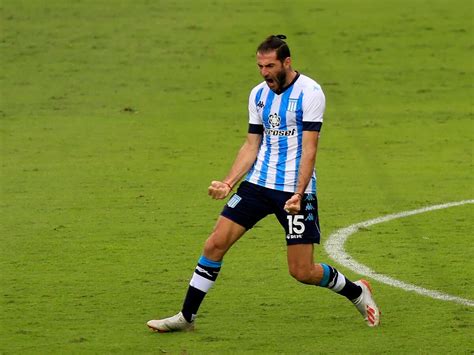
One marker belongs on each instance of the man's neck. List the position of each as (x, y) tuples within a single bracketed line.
[(290, 77)]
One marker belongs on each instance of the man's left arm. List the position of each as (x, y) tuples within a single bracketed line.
[(308, 160)]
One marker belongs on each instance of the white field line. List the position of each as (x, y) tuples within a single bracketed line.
[(335, 248)]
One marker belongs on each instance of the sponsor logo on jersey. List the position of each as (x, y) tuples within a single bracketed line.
[(260, 105), (275, 120), (279, 132)]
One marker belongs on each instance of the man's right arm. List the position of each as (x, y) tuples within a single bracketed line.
[(242, 164)]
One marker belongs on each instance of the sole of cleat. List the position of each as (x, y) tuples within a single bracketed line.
[(157, 330), (154, 330)]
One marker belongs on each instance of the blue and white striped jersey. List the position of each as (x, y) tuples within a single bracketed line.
[(284, 117)]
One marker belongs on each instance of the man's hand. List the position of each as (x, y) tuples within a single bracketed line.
[(293, 205), (218, 190)]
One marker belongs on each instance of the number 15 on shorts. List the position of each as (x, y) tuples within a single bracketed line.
[(295, 224)]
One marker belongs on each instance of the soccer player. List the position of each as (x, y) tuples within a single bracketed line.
[(278, 159)]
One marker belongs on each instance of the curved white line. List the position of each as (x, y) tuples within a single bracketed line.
[(335, 248)]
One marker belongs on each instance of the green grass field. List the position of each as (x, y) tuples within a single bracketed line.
[(116, 115)]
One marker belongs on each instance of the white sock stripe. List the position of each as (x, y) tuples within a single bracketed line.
[(201, 283), (340, 283)]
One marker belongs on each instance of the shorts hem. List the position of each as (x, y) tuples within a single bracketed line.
[(296, 241), (235, 220)]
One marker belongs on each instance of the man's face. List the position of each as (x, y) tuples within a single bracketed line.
[(272, 70)]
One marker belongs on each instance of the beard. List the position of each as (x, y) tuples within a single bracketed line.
[(279, 80)]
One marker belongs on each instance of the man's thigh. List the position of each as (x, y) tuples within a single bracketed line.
[(300, 256), (224, 235)]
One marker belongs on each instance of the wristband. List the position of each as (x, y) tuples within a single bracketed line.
[(297, 193), (230, 187)]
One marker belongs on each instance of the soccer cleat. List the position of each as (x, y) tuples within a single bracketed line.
[(171, 324), (366, 305)]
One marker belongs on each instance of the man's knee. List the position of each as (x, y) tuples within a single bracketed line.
[(214, 243), (216, 246), (302, 274)]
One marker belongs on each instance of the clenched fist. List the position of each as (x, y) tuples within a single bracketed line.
[(218, 190), (293, 205)]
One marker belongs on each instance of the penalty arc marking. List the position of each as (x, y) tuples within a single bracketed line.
[(335, 248)]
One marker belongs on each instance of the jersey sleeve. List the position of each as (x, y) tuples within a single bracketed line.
[(254, 119), (255, 122), (314, 104)]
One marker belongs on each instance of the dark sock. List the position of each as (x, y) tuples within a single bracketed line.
[(192, 301), (203, 278), (351, 291), (337, 282)]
